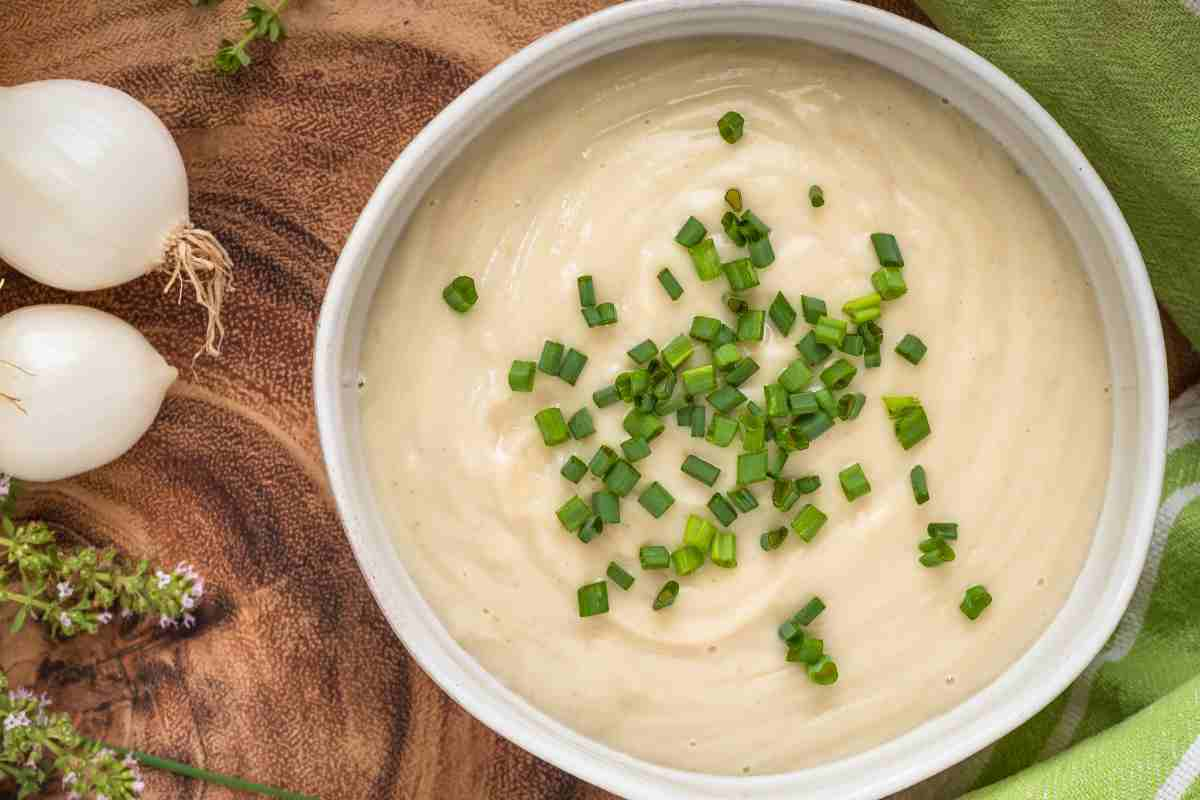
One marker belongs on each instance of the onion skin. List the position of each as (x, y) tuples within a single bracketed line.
[(81, 387)]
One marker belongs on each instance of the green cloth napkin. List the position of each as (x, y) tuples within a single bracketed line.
[(1123, 78)]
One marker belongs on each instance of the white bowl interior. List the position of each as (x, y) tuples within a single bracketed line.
[(1042, 150)]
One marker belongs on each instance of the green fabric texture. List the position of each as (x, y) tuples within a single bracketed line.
[(1122, 77)]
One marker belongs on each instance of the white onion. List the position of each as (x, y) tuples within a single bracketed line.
[(78, 387), (93, 194)]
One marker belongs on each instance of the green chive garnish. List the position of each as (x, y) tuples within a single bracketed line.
[(741, 274), (698, 532), (887, 250), (683, 417), (813, 425), (889, 283), (854, 482), (706, 260), (731, 126), (777, 463), (581, 425), (656, 499), (593, 599), (785, 495), (607, 506), (813, 309), (911, 349), (741, 372), (975, 600), (920, 486), (754, 227), (839, 374), (677, 351), (750, 324), (668, 281), (733, 229), (633, 384), (635, 449), (853, 345), (572, 365), (574, 469), (700, 469), (795, 377), (699, 380), (751, 468), (699, 414), (942, 530), (754, 432), (899, 405), (722, 509), (808, 615), (734, 302), (639, 423), (621, 479), (862, 310), (591, 529), (808, 484), (725, 335), (643, 351), (691, 234), (551, 358), (782, 314), (830, 332), (552, 425), (826, 402), (654, 556), (460, 294), (606, 396), (734, 198), (776, 400), (762, 255), (816, 196), (812, 351), (803, 403), (872, 360), (617, 574), (808, 651), (727, 398), (824, 672), (608, 313), (850, 405), (704, 328), (808, 522), (666, 595), (520, 376), (604, 460), (724, 549), (686, 560), (791, 438), (721, 430), (587, 291), (573, 513), (911, 427), (743, 499), (591, 315), (773, 539), (726, 356)]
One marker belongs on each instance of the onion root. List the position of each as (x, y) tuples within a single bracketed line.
[(194, 257)]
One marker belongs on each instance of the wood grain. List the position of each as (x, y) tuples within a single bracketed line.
[(292, 676)]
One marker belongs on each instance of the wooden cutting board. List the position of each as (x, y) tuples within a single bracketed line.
[(292, 676)]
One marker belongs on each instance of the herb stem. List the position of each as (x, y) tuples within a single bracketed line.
[(229, 782)]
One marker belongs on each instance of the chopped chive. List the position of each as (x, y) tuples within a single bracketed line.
[(813, 309), (791, 438), (741, 273), (854, 482), (574, 469), (762, 255), (706, 260), (853, 345), (795, 377), (816, 196), (942, 530), (872, 360), (872, 336), (593, 599), (572, 365), (621, 479), (862, 310), (725, 335), (808, 615), (587, 291), (726, 399), (742, 499), (608, 313), (591, 529), (824, 672), (666, 595), (778, 463), (755, 227), (751, 467), (606, 396), (734, 302), (633, 384), (975, 600), (550, 361), (726, 356), (700, 469), (850, 405), (698, 532), (889, 283), (722, 509), (704, 328), (808, 522), (887, 250), (920, 485), (691, 234), (830, 332), (656, 499), (935, 551), (635, 449), (808, 484), (573, 513), (591, 315), (683, 417), (678, 351), (813, 425), (603, 461), (647, 403), (898, 405), (668, 281), (782, 314), (617, 574), (911, 428), (699, 380), (724, 549), (803, 403), (607, 506), (911, 349), (460, 294), (521, 375), (552, 425), (839, 374), (654, 556), (733, 197), (581, 424), (808, 651), (776, 400), (732, 226), (699, 414), (750, 324), (784, 495), (741, 372), (721, 430), (731, 126), (812, 351), (686, 560), (772, 539), (643, 351), (754, 432), (639, 423), (826, 402)]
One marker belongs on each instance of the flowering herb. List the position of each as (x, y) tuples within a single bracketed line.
[(264, 23)]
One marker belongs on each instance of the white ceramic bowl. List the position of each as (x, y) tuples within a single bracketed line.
[(1042, 149)]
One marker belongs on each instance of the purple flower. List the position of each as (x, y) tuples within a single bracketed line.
[(65, 590)]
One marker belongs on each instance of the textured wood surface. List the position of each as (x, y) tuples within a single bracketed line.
[(292, 676)]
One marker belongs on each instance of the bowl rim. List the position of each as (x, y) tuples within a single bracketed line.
[(574, 752)]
